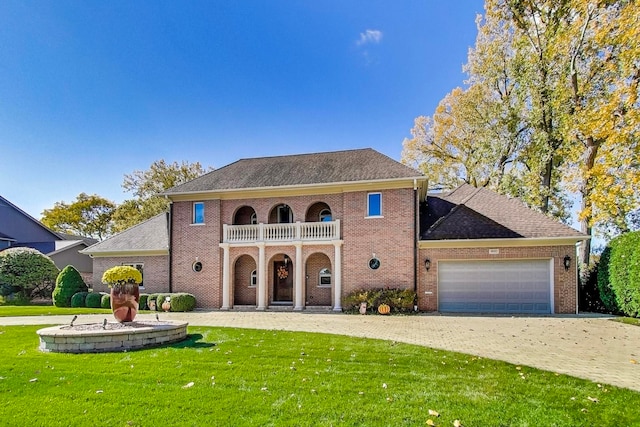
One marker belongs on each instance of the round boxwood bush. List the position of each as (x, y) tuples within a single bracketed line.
[(93, 300), (182, 301), (68, 283), (105, 301), (142, 302), (159, 300), (79, 299)]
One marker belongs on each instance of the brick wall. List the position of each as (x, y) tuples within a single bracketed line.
[(200, 241), (155, 272), (391, 238), (565, 282)]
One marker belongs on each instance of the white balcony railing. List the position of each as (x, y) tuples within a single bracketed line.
[(307, 231)]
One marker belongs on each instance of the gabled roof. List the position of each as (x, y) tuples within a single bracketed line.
[(5, 237), (150, 237), (479, 213), (300, 170), (6, 203)]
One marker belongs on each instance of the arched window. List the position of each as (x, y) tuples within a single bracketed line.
[(325, 215), (254, 279), (325, 277), (254, 218)]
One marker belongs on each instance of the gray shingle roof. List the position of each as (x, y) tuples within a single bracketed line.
[(149, 236), (479, 213), (302, 169)]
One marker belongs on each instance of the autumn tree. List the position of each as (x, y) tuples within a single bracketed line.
[(146, 187), (87, 216), (564, 74)]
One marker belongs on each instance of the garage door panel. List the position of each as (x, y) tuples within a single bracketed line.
[(494, 286)]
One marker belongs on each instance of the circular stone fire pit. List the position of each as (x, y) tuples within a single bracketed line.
[(110, 336)]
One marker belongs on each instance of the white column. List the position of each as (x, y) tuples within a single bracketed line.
[(337, 275), (262, 277), (299, 283), (226, 277)]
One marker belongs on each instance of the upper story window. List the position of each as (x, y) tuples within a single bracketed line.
[(254, 218), (198, 213), (374, 204), (325, 215)]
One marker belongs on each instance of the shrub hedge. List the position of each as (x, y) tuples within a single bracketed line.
[(182, 301), (399, 300), (105, 301), (93, 300), (79, 299), (619, 274)]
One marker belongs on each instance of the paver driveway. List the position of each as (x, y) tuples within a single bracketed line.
[(594, 348)]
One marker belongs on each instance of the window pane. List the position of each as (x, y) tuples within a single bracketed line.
[(198, 213), (375, 204)]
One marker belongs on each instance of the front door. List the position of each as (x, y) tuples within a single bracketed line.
[(282, 282)]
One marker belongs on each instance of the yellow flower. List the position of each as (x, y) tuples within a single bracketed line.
[(121, 275)]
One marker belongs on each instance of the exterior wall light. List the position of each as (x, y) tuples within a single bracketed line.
[(427, 264), (567, 262)]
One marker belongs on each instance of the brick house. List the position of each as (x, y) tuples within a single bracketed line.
[(305, 230)]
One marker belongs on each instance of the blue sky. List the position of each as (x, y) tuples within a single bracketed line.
[(91, 91)]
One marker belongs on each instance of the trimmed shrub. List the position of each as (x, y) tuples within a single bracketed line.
[(159, 300), (142, 302), (624, 273), (68, 283), (79, 299), (589, 298), (607, 296), (182, 301), (105, 301), (399, 300), (93, 300), (29, 271)]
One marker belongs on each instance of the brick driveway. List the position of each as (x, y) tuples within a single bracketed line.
[(594, 348)]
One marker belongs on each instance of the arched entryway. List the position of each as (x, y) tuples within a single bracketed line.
[(281, 214), (281, 279), (319, 280), (319, 212), (244, 216), (244, 281)]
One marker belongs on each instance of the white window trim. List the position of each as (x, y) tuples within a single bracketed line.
[(253, 274), (321, 274), (325, 212), (368, 206), (193, 214), (134, 265)]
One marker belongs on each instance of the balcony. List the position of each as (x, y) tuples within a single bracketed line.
[(303, 231)]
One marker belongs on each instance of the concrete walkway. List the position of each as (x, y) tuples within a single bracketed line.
[(593, 348)]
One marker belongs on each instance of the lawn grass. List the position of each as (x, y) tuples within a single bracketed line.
[(628, 320), (47, 310), (224, 376)]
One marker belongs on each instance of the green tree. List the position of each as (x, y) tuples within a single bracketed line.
[(146, 187), (68, 282), (27, 270), (87, 216)]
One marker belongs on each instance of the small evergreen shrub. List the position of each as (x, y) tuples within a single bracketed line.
[(79, 299), (159, 300), (105, 301), (68, 283), (142, 302), (399, 300), (93, 300), (182, 301)]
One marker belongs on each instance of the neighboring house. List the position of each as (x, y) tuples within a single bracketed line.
[(144, 246), (19, 229), (305, 230)]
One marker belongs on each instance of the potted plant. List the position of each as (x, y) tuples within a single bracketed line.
[(125, 294)]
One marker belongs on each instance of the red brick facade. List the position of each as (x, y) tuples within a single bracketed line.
[(155, 273), (564, 281)]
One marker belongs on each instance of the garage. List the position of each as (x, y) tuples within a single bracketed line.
[(522, 286)]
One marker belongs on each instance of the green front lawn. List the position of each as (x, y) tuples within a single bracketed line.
[(47, 310), (223, 376)]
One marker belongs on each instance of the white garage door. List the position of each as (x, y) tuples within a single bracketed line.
[(494, 286)]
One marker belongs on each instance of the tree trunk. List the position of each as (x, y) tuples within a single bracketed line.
[(590, 153)]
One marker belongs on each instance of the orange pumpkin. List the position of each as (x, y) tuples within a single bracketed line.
[(384, 309)]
